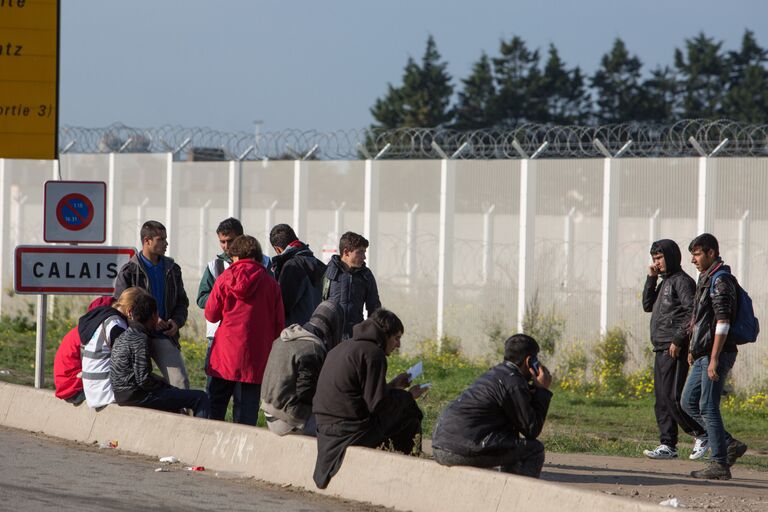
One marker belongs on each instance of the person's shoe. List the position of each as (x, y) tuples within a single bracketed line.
[(700, 448), (713, 471), (661, 452), (735, 450)]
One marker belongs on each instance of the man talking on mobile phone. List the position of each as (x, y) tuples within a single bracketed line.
[(671, 306), (495, 422)]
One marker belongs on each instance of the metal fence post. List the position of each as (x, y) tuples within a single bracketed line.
[(269, 223), (410, 243), (568, 227), (611, 184), (487, 264), (338, 219), (371, 204), (5, 231), (201, 254), (653, 227), (171, 205), (300, 197), (235, 194), (445, 246), (527, 229), (113, 208), (707, 190), (743, 266)]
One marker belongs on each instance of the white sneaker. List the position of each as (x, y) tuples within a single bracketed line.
[(700, 448), (661, 452)]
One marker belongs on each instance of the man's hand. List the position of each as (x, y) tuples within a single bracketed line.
[(171, 328), (690, 359), (401, 381), (653, 271), (674, 351), (712, 370), (416, 391), (543, 379)]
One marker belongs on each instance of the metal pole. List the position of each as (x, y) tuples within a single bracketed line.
[(269, 222), (140, 219), (42, 307), (445, 249), (201, 256), (568, 238), (743, 267), (5, 182), (338, 219), (300, 198), (487, 267), (410, 244)]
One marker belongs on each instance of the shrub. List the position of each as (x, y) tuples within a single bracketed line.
[(545, 327), (610, 357)]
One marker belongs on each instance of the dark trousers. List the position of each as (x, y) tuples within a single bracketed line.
[(174, 399), (246, 403), (669, 375), (525, 458)]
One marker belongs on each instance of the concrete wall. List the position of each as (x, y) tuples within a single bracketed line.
[(391, 480)]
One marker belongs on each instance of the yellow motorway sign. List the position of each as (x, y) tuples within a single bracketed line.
[(29, 78)]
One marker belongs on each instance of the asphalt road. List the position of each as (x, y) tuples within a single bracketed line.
[(39, 473)]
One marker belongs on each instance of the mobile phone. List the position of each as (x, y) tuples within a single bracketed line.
[(535, 364)]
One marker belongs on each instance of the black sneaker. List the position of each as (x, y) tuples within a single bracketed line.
[(713, 471), (735, 450)]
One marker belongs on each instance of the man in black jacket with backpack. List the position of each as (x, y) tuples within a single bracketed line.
[(671, 304)]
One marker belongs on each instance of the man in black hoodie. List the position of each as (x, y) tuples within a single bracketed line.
[(298, 272), (671, 305), (354, 404)]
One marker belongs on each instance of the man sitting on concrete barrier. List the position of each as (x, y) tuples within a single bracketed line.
[(133, 382), (354, 405), (293, 367), (482, 427)]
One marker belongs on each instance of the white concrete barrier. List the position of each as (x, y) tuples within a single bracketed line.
[(381, 478)]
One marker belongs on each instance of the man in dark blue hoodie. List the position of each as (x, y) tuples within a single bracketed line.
[(671, 305)]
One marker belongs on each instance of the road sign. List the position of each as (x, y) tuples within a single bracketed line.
[(29, 79), (75, 211), (68, 270)]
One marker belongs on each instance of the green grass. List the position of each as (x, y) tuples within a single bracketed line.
[(576, 423)]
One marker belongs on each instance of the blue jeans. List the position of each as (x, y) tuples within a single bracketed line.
[(174, 399), (701, 401), (246, 407)]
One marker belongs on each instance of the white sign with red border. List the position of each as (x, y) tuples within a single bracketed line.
[(68, 270), (75, 212)]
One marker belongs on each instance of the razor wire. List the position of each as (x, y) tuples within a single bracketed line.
[(647, 140)]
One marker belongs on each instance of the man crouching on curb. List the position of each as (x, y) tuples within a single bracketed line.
[(482, 427), (354, 404)]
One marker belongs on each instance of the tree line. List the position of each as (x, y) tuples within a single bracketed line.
[(519, 86)]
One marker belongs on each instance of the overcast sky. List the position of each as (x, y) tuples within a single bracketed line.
[(321, 64)]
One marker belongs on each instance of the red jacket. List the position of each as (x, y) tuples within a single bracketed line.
[(66, 366), (247, 302)]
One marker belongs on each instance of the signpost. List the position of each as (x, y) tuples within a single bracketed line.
[(75, 211), (29, 79)]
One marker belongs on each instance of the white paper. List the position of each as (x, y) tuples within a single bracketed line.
[(426, 386), (416, 370)]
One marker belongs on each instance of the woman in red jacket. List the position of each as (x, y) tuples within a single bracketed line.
[(247, 302)]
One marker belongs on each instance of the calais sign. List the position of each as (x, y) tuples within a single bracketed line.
[(69, 270)]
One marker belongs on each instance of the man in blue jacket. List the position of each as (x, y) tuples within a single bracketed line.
[(350, 283)]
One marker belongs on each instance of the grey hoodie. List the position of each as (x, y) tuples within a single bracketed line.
[(290, 378)]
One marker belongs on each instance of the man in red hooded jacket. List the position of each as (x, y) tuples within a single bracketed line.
[(247, 302)]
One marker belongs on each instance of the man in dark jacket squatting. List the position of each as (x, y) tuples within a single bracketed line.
[(483, 426), (354, 405)]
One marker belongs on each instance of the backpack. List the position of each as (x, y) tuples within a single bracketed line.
[(745, 327)]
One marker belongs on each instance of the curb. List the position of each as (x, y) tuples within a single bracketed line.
[(381, 478)]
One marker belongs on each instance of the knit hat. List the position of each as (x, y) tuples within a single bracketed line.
[(328, 319)]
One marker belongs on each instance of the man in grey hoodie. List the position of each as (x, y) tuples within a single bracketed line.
[(293, 367)]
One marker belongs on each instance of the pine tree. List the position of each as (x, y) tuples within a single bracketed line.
[(476, 101), (703, 74), (561, 92), (619, 97), (747, 96), (423, 100), (662, 96), (517, 75)]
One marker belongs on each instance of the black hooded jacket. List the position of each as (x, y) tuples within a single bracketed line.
[(300, 276), (352, 385), (90, 322), (671, 302)]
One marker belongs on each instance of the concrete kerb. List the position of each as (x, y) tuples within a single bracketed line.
[(381, 478)]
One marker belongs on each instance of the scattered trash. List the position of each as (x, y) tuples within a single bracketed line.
[(5, 372), (635, 492), (195, 468), (162, 470), (672, 502), (284, 486), (169, 459), (108, 444)]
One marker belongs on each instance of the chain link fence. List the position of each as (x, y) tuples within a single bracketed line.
[(647, 140)]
